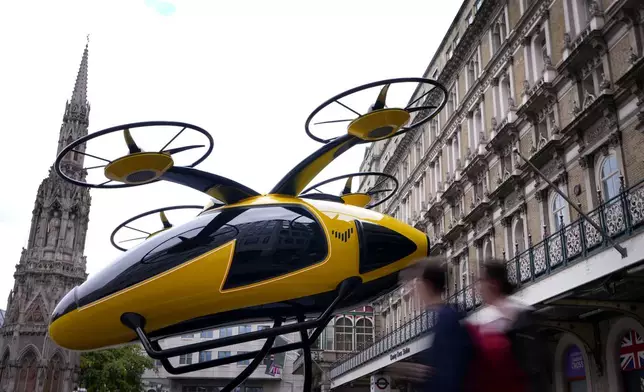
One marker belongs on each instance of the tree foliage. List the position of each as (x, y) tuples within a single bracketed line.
[(116, 369)]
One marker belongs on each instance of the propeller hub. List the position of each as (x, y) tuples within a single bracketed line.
[(378, 124), (138, 168)]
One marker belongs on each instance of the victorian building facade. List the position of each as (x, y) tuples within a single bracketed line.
[(561, 81), (51, 265)]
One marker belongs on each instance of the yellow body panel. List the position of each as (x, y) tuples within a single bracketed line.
[(357, 199), (153, 162), (194, 288), (378, 124)]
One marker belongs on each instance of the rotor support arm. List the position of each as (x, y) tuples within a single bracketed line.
[(301, 175), (218, 187)]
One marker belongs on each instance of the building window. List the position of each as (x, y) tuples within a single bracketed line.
[(188, 336), (559, 212), (577, 16), (464, 272), (518, 236), (206, 334), (451, 101), (499, 32), (487, 250), (245, 361), (343, 334), (262, 327), (478, 128), (505, 96), (473, 70), (540, 55), (205, 356), (223, 354), (364, 333), (225, 332), (245, 329), (609, 174), (186, 359)]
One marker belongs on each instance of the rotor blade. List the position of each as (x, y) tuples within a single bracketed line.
[(164, 220), (382, 98), (347, 186), (182, 149), (419, 108), (133, 239), (302, 174), (131, 144), (221, 188), (331, 122)]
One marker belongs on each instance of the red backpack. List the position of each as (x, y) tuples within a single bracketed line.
[(494, 367)]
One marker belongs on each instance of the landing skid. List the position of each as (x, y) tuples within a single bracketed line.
[(136, 322)]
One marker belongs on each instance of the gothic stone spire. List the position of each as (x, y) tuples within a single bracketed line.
[(76, 117), (51, 265)]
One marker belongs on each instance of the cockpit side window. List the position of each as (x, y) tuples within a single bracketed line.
[(271, 241), (274, 241)]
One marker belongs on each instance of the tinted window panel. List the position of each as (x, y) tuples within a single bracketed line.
[(274, 241), (380, 246), (260, 243)]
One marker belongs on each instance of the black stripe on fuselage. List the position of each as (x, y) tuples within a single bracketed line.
[(311, 306)]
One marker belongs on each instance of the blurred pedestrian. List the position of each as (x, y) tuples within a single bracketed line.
[(510, 354), (445, 364)]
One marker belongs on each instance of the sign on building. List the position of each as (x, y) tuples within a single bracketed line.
[(380, 383)]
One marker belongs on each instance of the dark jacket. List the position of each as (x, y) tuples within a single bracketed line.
[(450, 353), (530, 350)]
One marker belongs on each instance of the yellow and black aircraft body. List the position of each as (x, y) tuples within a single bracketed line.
[(254, 257)]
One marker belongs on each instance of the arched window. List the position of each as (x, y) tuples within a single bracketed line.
[(574, 370), (559, 210), (487, 250), (364, 333), (518, 236), (609, 177), (632, 360), (464, 272), (343, 334), (27, 373), (54, 375)]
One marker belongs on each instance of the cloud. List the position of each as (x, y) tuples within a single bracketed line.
[(162, 7)]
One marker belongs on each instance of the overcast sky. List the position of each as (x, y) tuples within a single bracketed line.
[(249, 72)]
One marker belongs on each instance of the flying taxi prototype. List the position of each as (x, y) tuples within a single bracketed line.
[(293, 256)]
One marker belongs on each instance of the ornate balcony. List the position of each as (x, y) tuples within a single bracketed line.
[(475, 162), (588, 114), (541, 151), (537, 97), (434, 207), (634, 80), (478, 206), (438, 244), (506, 182), (454, 186), (621, 217), (578, 52), (454, 228), (503, 132)]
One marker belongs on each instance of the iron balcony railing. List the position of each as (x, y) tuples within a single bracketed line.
[(619, 217)]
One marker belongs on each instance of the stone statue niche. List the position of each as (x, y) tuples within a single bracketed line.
[(70, 231), (53, 229)]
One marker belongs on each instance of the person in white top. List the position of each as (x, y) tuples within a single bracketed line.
[(514, 319)]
